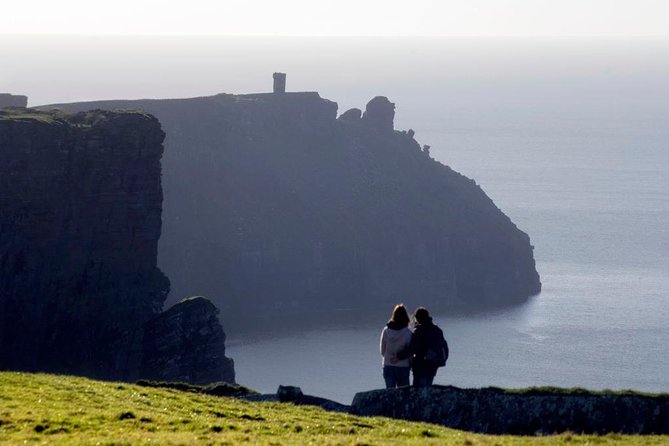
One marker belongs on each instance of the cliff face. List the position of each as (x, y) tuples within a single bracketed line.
[(80, 219), (496, 411), (81, 202), (272, 203)]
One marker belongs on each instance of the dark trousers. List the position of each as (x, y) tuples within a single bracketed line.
[(395, 376), (424, 376)]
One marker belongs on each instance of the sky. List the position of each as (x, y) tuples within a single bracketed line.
[(587, 18)]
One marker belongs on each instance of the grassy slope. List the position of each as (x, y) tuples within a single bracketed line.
[(39, 408)]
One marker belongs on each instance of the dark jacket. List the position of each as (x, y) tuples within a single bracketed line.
[(423, 336)]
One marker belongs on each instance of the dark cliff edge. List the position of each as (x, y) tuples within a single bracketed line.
[(521, 412), (80, 219), (274, 204)]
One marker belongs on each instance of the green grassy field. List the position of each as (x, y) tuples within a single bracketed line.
[(48, 409)]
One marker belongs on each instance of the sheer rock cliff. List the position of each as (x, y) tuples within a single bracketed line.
[(275, 205), (80, 219)]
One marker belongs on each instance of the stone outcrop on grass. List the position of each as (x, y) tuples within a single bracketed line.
[(523, 412)]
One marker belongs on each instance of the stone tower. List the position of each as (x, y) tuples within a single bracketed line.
[(279, 82), (12, 100)]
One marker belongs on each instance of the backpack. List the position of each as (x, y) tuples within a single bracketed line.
[(437, 348)]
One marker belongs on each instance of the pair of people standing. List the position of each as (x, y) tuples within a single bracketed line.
[(423, 351)]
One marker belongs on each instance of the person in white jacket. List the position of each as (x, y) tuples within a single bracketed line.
[(395, 337)]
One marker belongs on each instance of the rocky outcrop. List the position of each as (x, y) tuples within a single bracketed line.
[(183, 344), (275, 205), (526, 412), (351, 116), (380, 114), (80, 219), (13, 100), (294, 395)]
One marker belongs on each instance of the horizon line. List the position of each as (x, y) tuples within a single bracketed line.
[(401, 36)]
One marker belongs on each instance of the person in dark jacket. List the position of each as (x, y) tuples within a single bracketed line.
[(425, 339)]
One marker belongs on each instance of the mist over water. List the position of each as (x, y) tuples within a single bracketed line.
[(569, 137)]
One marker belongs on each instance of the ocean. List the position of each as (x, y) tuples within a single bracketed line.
[(592, 194), (569, 137)]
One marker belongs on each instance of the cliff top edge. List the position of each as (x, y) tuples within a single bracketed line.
[(55, 116)]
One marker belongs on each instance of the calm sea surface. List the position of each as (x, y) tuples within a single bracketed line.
[(592, 194), (570, 139)]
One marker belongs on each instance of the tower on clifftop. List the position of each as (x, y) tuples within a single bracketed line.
[(13, 100), (279, 82)]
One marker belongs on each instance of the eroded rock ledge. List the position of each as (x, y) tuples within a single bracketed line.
[(522, 412), (183, 344)]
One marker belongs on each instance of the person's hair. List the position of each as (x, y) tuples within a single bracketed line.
[(400, 315), (421, 315)]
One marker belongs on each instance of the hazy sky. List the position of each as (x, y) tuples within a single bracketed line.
[(340, 17)]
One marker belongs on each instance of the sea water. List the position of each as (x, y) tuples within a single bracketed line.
[(569, 137), (578, 156), (592, 194)]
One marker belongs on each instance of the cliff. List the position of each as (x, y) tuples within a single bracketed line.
[(271, 202), (524, 412), (80, 219)]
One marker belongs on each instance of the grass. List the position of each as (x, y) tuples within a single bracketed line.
[(83, 119), (22, 114), (48, 409)]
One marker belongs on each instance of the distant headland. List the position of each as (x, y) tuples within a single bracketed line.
[(275, 203)]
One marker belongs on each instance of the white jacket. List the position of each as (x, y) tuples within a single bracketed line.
[(393, 341)]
